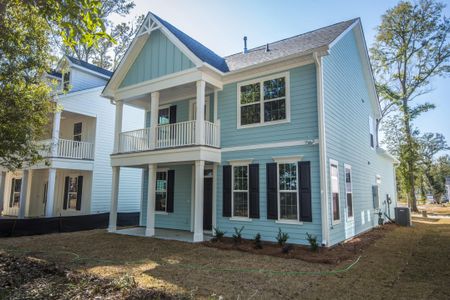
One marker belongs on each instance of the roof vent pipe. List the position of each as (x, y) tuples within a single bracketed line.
[(267, 47), (245, 45)]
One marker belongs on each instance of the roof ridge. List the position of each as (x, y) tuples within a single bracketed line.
[(294, 36), (80, 62)]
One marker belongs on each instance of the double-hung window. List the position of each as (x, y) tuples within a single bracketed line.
[(349, 190), (263, 101), (72, 194), (77, 131), (240, 203), (334, 172), (161, 191), (16, 185), (287, 191), (372, 136)]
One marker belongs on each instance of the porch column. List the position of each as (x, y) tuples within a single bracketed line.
[(216, 103), (55, 133), (118, 125), (198, 200), (23, 194), (114, 199), (50, 192), (151, 188), (200, 117), (154, 109), (2, 189)]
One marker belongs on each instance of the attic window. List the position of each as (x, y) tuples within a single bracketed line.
[(66, 81)]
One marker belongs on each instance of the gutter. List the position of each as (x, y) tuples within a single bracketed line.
[(322, 151)]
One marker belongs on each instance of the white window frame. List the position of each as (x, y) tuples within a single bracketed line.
[(243, 163), (285, 162), (80, 134), (261, 101), (69, 193), (372, 134), (349, 167), (336, 163), (15, 177), (161, 212), (192, 107)]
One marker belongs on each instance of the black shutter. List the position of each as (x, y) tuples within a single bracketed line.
[(11, 196), (66, 192), (254, 190), (304, 191), (226, 201), (170, 189), (173, 114), (79, 192), (272, 191)]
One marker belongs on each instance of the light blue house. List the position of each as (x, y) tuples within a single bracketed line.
[(279, 136)]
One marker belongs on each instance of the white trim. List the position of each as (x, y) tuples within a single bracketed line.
[(92, 72), (192, 196), (339, 37), (271, 145), (240, 191), (349, 167), (333, 221), (285, 191), (162, 213), (287, 159), (288, 222), (240, 162), (214, 204), (240, 219), (261, 102)]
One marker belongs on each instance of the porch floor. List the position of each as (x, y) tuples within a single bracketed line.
[(164, 234)]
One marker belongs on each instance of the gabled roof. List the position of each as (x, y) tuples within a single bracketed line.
[(303, 43), (89, 66), (203, 53)]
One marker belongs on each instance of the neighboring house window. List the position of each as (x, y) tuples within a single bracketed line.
[(240, 191), (335, 190), (161, 191), (72, 194), (288, 196), (372, 132), (16, 185), (77, 131), (66, 81), (263, 101), (349, 190)]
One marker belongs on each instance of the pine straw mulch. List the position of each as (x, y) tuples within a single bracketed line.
[(23, 277), (334, 255)]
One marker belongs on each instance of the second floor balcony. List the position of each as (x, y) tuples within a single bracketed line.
[(70, 149)]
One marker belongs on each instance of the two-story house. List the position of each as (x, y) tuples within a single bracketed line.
[(75, 178), (279, 136)]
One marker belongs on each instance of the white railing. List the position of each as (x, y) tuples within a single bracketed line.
[(68, 149), (168, 136)]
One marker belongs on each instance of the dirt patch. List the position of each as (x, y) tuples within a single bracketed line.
[(436, 209), (342, 252), (31, 278)]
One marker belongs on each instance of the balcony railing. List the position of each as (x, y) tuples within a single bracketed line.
[(68, 149), (168, 136)]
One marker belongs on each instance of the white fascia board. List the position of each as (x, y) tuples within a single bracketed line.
[(75, 66)]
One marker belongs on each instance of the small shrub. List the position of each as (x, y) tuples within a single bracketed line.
[(286, 248), (257, 241), (282, 237), (312, 239), (218, 235), (126, 282), (237, 236)]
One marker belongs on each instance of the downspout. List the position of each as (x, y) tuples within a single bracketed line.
[(322, 151)]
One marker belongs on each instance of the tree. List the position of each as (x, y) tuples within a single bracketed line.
[(411, 48), (25, 96), (439, 170)]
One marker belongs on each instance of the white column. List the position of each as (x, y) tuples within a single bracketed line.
[(55, 133), (114, 199), (50, 192), (200, 117), (2, 190), (198, 199), (216, 103), (23, 194), (154, 109), (118, 125), (151, 188)]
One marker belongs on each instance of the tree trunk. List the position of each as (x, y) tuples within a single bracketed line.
[(410, 157)]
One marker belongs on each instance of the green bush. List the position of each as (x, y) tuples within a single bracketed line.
[(237, 236), (282, 237), (218, 235), (257, 241), (312, 239)]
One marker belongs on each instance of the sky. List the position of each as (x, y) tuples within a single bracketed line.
[(221, 26)]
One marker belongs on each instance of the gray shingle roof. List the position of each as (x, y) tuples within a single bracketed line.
[(89, 66), (302, 43)]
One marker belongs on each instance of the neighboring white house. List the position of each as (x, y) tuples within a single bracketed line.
[(76, 177), (447, 188)]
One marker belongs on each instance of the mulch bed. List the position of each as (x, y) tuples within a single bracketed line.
[(23, 277), (334, 255)]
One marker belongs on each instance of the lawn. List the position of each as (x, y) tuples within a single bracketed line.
[(405, 263)]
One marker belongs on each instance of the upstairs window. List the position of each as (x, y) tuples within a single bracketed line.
[(77, 131), (66, 81), (263, 101), (372, 132)]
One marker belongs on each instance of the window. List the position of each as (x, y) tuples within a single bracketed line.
[(240, 191), (77, 131), (161, 191), (287, 187), (372, 132), (193, 109), (263, 101), (335, 191), (16, 185), (72, 194), (349, 190), (164, 116), (66, 81)]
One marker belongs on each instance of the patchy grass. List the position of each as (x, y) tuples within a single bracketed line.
[(437, 209), (408, 262)]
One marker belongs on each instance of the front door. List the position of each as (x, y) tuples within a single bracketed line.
[(207, 203)]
